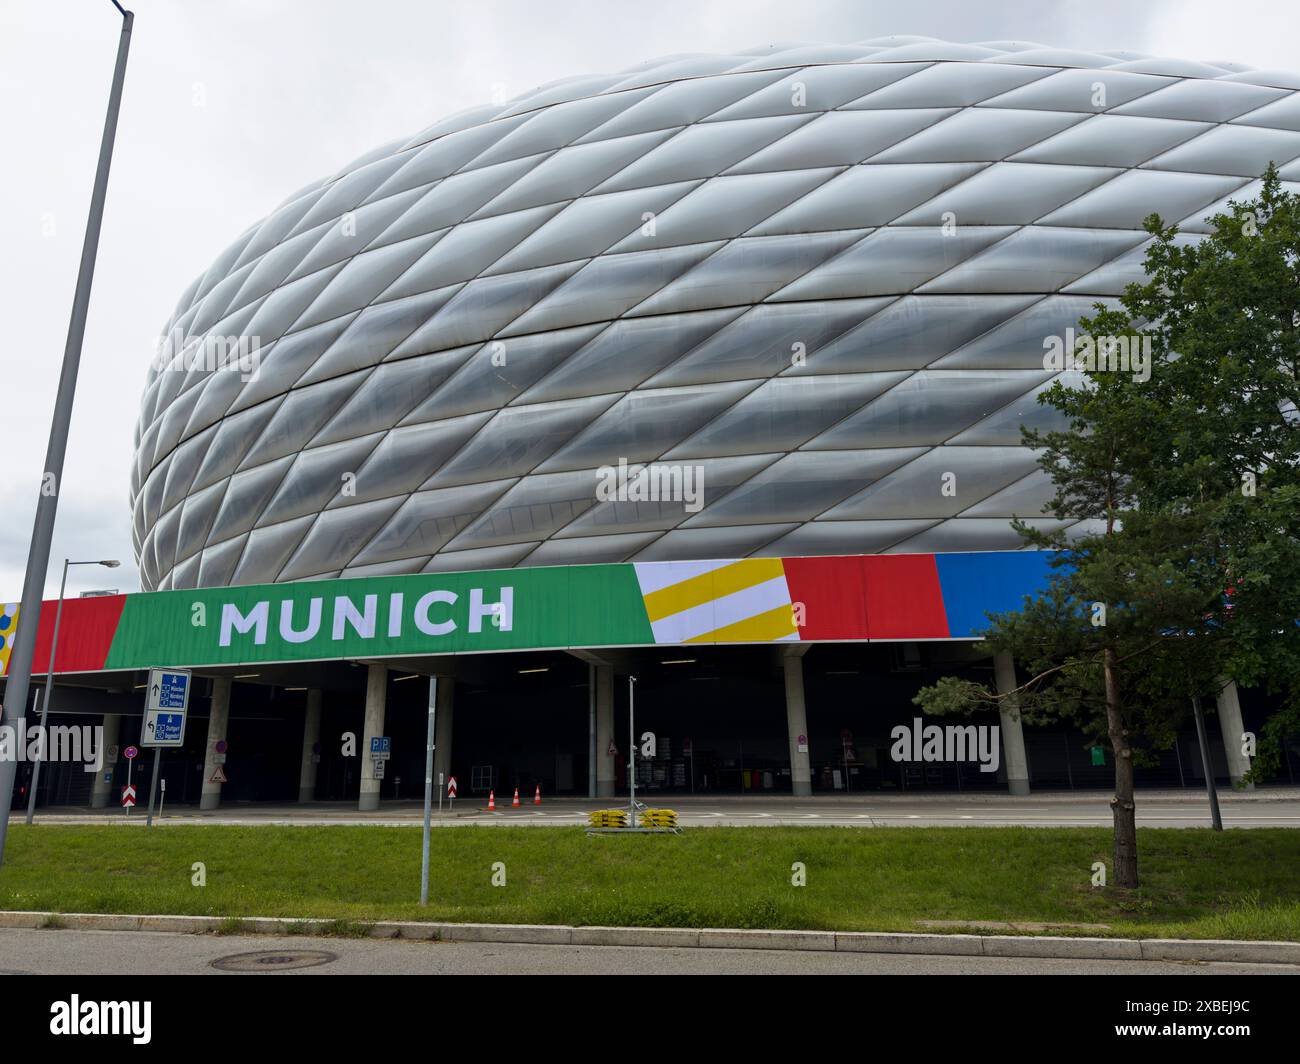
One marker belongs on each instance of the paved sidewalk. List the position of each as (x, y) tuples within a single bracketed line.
[(1272, 807)]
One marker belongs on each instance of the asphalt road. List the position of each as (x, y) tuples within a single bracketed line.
[(1164, 809), (161, 953)]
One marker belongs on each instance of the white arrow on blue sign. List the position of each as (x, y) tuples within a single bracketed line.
[(166, 703)]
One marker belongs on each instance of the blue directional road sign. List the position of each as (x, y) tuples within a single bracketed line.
[(166, 702), (168, 727), (174, 690)]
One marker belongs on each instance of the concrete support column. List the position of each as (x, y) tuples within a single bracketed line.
[(1013, 735), (1231, 727), (605, 774), (376, 703), (442, 726), (218, 717), (796, 721), (102, 791), (310, 738)]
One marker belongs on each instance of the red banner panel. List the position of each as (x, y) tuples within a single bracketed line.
[(903, 597), (85, 633), (832, 596)]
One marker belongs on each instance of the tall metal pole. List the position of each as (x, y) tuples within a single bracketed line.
[(49, 680), (153, 785), (1210, 788), (631, 747), (45, 697), (38, 556), (591, 730), (428, 790)]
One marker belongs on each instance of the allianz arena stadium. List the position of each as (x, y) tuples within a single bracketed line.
[(704, 380), (820, 276)]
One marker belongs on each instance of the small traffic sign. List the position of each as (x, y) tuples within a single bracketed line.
[(165, 729), (218, 775), (613, 749), (846, 740), (166, 702), (169, 688), (131, 753), (128, 795), (381, 747), (451, 787), (220, 746)]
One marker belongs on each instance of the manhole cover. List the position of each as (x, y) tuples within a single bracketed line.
[(274, 960)]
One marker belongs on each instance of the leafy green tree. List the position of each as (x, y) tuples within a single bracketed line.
[(1224, 320), (1116, 644), (1176, 491)]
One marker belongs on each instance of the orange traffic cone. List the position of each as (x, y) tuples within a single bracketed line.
[(537, 798), (515, 803), (492, 799)]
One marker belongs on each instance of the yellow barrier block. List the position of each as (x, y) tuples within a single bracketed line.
[(607, 818)]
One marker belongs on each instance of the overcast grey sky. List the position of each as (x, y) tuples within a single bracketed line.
[(230, 106)]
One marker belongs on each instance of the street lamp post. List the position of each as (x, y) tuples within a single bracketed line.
[(38, 556), (49, 681)]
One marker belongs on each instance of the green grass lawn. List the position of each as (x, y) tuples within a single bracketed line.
[(1195, 883)]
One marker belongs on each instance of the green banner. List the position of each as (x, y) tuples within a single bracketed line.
[(435, 613)]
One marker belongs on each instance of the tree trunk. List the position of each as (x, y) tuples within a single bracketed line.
[(1122, 807)]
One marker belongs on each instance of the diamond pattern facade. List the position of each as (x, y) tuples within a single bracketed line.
[(822, 275)]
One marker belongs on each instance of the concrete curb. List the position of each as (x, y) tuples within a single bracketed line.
[(887, 942), (1175, 949), (725, 938), (1040, 946)]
